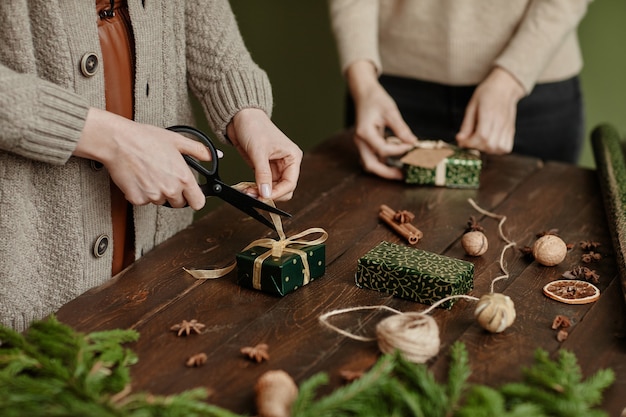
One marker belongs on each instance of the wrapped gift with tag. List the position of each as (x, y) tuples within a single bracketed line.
[(442, 164), (414, 274), (293, 266)]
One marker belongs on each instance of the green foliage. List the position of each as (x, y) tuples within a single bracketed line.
[(52, 371), (557, 386), (395, 387)]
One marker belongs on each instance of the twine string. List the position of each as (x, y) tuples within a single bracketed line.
[(415, 334), (509, 242)]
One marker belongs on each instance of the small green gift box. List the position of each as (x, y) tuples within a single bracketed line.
[(442, 164), (414, 274), (258, 269)]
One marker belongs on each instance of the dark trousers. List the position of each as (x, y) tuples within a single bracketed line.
[(549, 124)]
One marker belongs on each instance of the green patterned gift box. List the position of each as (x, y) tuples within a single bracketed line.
[(441, 164), (414, 274), (284, 274)]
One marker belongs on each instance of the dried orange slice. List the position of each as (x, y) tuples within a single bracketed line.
[(572, 291)]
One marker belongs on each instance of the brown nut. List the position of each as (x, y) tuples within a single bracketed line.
[(549, 250), (474, 243)]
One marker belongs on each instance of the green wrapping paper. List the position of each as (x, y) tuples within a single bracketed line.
[(611, 168), (414, 274), (284, 274), (441, 164)]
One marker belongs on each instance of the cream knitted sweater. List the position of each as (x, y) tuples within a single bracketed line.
[(54, 206), (458, 42)]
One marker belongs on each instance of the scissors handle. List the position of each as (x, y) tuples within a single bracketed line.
[(215, 187), (207, 172)]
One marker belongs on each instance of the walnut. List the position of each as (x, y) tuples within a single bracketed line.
[(549, 250), (257, 353), (475, 243)]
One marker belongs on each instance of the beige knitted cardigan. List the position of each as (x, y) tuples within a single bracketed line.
[(54, 206), (457, 42)]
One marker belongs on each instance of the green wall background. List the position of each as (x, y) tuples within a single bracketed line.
[(292, 41)]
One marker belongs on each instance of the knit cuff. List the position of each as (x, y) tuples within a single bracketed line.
[(235, 92), (57, 121)]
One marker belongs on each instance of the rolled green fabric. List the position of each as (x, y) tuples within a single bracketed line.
[(611, 167)]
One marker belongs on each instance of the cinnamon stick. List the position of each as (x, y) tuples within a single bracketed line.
[(404, 228)]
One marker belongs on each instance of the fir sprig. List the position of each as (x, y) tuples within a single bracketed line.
[(53, 371)]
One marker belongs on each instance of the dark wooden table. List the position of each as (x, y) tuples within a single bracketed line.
[(334, 193)]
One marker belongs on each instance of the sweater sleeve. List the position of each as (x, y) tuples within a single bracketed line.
[(38, 119), (355, 26), (221, 71), (545, 27)]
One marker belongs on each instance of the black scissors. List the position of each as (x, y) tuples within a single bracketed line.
[(214, 185)]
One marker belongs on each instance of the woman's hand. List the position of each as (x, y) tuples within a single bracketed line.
[(376, 111), (144, 161), (489, 121), (273, 156)]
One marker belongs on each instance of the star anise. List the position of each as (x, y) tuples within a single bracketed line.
[(258, 353), (561, 322), (473, 225), (186, 327), (590, 257), (589, 245), (582, 272), (349, 376), (548, 232), (198, 359), (403, 216), (527, 251), (562, 335)]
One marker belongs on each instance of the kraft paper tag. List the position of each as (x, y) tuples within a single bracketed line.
[(426, 158)]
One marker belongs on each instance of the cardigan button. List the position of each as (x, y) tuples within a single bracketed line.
[(101, 245), (96, 165), (89, 64)]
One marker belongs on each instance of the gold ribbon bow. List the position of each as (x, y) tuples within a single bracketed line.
[(277, 248)]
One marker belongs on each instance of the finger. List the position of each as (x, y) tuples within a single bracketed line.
[(373, 165), (381, 147), (284, 188), (195, 149), (401, 130), (192, 196), (468, 124)]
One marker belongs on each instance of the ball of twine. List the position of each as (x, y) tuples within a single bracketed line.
[(416, 335)]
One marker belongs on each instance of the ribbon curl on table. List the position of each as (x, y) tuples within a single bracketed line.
[(276, 248)]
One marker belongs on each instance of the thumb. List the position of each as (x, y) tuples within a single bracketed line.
[(469, 123), (263, 178)]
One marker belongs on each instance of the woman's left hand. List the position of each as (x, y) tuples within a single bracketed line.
[(489, 121), (273, 156)]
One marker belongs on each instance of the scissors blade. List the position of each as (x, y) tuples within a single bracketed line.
[(242, 201)]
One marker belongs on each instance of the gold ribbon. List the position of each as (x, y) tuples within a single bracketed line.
[(276, 248)]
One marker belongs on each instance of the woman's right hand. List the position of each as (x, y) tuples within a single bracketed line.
[(375, 112), (144, 161)]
